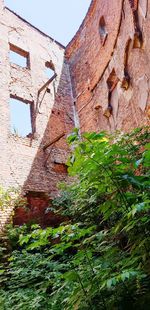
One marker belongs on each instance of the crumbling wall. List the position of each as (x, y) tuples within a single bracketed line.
[(109, 62), (35, 162), (102, 83)]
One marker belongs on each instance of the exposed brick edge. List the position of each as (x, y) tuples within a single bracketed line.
[(73, 41), (35, 28)]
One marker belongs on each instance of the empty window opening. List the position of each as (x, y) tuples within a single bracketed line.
[(20, 115), (112, 80), (49, 69), (102, 30), (111, 84), (19, 56)]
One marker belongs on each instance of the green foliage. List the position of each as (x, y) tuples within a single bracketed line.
[(5, 198), (100, 258)]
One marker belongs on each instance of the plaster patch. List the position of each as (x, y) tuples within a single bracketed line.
[(143, 6), (127, 94), (143, 92)]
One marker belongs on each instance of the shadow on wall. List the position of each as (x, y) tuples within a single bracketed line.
[(48, 167)]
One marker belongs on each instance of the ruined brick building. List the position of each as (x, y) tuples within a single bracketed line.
[(100, 81)]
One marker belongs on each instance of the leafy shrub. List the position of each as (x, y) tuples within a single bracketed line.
[(100, 258)]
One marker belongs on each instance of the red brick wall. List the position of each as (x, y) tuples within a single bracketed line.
[(106, 74), (37, 211), (91, 63)]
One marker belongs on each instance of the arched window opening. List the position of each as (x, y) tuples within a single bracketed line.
[(102, 30), (126, 79), (112, 80), (138, 37), (111, 85)]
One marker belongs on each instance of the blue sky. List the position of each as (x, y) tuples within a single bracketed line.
[(58, 18), (20, 118)]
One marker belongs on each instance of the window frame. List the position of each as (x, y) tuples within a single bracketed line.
[(15, 49), (31, 110)]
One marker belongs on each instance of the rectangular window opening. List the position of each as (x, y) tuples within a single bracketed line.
[(19, 56), (21, 117)]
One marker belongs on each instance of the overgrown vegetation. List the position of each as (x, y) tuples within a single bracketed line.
[(99, 258)]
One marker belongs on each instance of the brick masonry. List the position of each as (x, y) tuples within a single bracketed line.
[(97, 51), (23, 161), (101, 82)]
